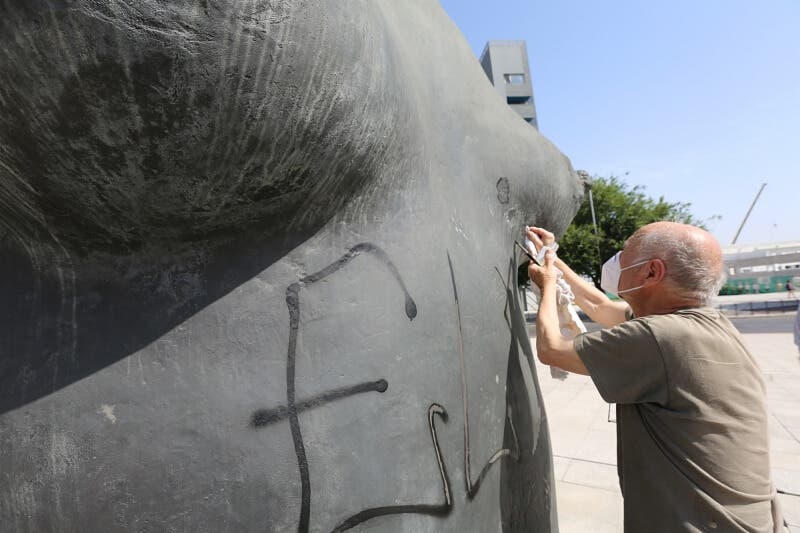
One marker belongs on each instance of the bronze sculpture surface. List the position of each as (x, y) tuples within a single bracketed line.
[(258, 271)]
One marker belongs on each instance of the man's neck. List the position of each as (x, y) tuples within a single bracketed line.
[(664, 306)]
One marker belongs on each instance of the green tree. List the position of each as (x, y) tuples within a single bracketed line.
[(620, 210)]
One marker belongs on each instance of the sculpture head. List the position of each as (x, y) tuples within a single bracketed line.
[(130, 124)]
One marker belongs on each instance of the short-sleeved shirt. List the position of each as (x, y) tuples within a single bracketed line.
[(692, 440)]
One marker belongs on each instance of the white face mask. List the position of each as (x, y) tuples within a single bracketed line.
[(609, 277)]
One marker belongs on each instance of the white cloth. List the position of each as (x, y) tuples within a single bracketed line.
[(569, 322)]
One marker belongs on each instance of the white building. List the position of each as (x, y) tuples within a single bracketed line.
[(761, 267)]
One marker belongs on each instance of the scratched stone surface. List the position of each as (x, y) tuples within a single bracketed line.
[(258, 271)]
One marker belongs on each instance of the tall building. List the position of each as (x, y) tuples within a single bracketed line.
[(506, 65)]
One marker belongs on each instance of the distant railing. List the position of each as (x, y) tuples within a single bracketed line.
[(749, 308)]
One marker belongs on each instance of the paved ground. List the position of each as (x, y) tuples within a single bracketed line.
[(584, 442)]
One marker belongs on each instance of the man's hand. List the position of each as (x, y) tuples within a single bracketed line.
[(593, 302), (540, 237), (543, 275)]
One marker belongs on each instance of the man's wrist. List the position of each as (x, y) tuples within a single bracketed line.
[(548, 283)]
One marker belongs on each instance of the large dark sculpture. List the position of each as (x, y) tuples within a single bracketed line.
[(257, 271)]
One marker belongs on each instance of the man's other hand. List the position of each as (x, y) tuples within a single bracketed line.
[(543, 275), (540, 237)]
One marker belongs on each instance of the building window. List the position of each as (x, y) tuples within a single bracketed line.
[(518, 99), (515, 79), (532, 122)]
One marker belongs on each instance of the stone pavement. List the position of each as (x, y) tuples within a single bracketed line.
[(584, 442)]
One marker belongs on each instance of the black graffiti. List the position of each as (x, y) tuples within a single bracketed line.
[(472, 487), (265, 417), (442, 509), (410, 306), (292, 408)]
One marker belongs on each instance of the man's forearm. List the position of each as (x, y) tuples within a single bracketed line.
[(552, 348), (591, 300), (547, 329), (586, 294)]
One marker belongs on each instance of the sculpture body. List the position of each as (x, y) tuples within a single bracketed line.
[(258, 271)]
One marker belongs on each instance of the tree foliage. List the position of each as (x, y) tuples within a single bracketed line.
[(619, 210)]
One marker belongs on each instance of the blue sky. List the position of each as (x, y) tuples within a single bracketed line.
[(699, 101)]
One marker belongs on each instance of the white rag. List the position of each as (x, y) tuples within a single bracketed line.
[(569, 323)]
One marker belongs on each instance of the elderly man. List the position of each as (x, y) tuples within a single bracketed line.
[(692, 445)]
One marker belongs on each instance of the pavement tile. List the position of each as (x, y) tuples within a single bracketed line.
[(785, 461), (606, 420), (599, 447), (784, 445), (790, 505), (597, 475), (567, 440), (582, 509), (786, 480), (560, 467), (777, 430), (782, 403)]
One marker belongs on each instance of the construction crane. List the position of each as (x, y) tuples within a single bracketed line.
[(748, 213)]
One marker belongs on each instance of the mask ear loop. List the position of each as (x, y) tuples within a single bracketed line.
[(635, 264), (629, 290), (626, 268)]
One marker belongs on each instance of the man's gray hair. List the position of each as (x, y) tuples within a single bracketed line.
[(687, 262)]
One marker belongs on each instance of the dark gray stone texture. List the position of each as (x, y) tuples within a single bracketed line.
[(231, 234)]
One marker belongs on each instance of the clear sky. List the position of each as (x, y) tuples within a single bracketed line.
[(698, 100)]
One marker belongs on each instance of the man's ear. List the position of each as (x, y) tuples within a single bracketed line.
[(656, 270)]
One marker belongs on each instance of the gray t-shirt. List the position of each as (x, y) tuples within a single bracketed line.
[(692, 441)]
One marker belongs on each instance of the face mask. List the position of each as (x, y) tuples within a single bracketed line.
[(609, 277)]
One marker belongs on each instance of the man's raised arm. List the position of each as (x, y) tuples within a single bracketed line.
[(591, 300)]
